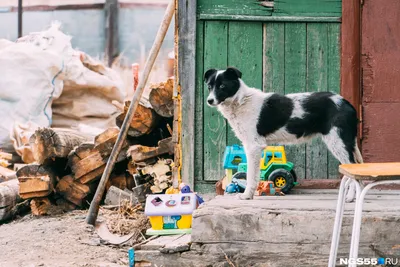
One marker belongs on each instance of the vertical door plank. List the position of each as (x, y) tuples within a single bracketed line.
[(214, 131), (274, 57), (317, 80), (245, 52), (199, 91), (295, 81), (333, 82)]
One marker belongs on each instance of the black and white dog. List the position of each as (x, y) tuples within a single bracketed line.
[(259, 118)]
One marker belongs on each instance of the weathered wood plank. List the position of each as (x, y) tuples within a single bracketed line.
[(199, 102), (233, 7), (186, 19), (308, 7), (274, 59), (269, 18), (295, 81), (215, 56), (333, 82), (245, 42), (317, 80)]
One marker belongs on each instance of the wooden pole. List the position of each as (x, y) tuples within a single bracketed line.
[(112, 49), (162, 31), (19, 18)]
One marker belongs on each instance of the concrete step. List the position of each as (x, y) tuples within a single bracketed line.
[(291, 230)]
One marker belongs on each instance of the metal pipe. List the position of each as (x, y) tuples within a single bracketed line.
[(162, 31)]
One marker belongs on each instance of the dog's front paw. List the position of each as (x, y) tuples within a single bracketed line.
[(244, 196)]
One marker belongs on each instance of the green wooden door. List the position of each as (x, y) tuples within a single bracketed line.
[(290, 47)]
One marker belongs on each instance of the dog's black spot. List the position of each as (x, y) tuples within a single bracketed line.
[(226, 84), (346, 121), (319, 113), (274, 114)]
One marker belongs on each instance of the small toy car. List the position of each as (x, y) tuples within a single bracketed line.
[(266, 188), (273, 166)]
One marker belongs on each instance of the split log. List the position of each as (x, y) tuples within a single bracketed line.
[(40, 206), (143, 122), (80, 152), (35, 181), (161, 98), (88, 162), (8, 198), (140, 153), (50, 143), (73, 191)]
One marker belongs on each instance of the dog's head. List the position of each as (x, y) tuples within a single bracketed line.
[(222, 84)]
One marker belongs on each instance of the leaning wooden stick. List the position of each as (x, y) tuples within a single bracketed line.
[(94, 205)]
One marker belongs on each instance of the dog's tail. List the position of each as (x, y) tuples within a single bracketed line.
[(357, 154)]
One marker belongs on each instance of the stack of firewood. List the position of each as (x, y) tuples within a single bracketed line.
[(69, 164)]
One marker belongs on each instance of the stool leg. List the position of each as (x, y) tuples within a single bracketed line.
[(338, 221), (355, 239)]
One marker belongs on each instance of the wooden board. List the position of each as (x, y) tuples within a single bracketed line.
[(274, 58), (372, 171), (214, 127), (295, 82), (232, 7), (199, 107), (245, 41), (92, 175), (333, 83), (320, 8), (316, 80)]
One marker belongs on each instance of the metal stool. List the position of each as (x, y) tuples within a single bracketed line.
[(378, 173)]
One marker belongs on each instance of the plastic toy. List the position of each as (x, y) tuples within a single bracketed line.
[(170, 213), (186, 189), (273, 166), (233, 156), (266, 188), (237, 186)]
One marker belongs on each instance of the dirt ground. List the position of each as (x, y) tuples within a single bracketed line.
[(56, 241)]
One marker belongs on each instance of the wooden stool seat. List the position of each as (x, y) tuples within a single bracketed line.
[(377, 174), (371, 171)]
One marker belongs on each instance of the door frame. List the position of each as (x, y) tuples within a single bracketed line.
[(350, 73)]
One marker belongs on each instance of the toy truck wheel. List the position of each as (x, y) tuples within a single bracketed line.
[(282, 179), (239, 175)]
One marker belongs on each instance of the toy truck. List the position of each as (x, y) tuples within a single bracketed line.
[(273, 166)]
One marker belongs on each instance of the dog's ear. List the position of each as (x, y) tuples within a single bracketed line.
[(208, 74), (233, 73)]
